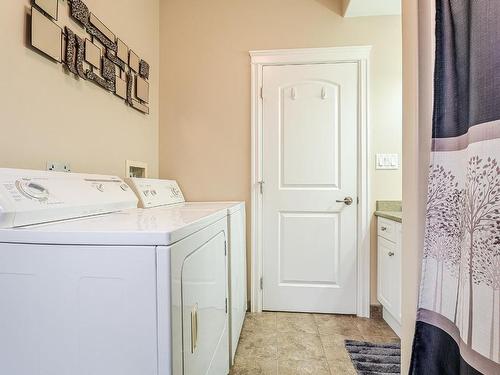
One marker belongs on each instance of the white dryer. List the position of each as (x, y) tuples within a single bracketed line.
[(128, 291), (165, 194)]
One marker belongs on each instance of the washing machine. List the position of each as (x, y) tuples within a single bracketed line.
[(165, 194), (90, 284)]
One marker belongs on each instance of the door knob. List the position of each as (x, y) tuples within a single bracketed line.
[(347, 201)]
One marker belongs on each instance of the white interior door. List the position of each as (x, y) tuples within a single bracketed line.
[(310, 117)]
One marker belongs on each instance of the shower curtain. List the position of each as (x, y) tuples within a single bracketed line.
[(458, 319)]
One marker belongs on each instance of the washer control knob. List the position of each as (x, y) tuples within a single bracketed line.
[(32, 190)]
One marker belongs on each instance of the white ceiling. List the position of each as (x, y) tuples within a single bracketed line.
[(360, 8)]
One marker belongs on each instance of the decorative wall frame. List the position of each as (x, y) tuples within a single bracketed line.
[(50, 7), (102, 58), (46, 36)]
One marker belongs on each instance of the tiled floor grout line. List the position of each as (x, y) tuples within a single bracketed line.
[(322, 345), (277, 343)]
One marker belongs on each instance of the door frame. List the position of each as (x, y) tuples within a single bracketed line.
[(259, 59)]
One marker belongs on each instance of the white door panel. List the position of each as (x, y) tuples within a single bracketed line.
[(310, 162), (304, 259), (309, 123)]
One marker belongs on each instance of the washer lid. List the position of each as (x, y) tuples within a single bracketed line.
[(32, 197), (155, 227)]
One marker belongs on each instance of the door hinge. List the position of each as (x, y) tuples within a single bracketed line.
[(225, 248), (261, 186), (226, 305), (262, 92), (261, 283), (357, 200)]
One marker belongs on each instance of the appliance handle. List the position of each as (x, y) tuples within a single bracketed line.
[(194, 328)]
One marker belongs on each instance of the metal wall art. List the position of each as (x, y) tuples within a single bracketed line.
[(103, 59)]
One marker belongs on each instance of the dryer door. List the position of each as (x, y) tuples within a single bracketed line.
[(204, 309)]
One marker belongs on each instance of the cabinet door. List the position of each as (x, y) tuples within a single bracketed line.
[(204, 319), (397, 274), (389, 276)]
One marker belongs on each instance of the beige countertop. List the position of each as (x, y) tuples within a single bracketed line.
[(391, 215), (391, 210)]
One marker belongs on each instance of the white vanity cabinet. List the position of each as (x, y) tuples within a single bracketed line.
[(389, 271)]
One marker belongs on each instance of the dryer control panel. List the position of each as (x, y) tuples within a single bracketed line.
[(154, 193), (34, 197)]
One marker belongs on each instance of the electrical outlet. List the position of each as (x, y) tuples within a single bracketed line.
[(58, 166)]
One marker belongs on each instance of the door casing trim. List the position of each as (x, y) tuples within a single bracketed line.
[(356, 54)]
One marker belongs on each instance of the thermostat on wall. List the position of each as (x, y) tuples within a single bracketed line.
[(136, 169)]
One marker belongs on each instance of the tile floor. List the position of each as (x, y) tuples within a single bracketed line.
[(303, 344)]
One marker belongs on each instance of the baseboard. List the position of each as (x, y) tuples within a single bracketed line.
[(392, 321)]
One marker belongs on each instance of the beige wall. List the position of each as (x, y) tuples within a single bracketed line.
[(49, 115), (205, 85), (205, 91)]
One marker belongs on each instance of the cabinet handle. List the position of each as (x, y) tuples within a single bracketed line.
[(390, 253), (383, 229)]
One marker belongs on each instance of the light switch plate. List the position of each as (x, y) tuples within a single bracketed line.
[(387, 161)]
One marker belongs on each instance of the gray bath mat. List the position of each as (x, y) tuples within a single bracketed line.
[(374, 359)]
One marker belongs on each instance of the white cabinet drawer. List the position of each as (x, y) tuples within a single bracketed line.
[(386, 229)]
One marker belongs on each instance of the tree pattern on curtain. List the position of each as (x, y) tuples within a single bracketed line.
[(458, 318), (462, 240)]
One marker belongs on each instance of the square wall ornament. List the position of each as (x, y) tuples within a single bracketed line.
[(142, 89), (92, 54), (134, 61), (49, 6), (102, 27), (121, 88), (140, 107), (46, 36), (122, 51)]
